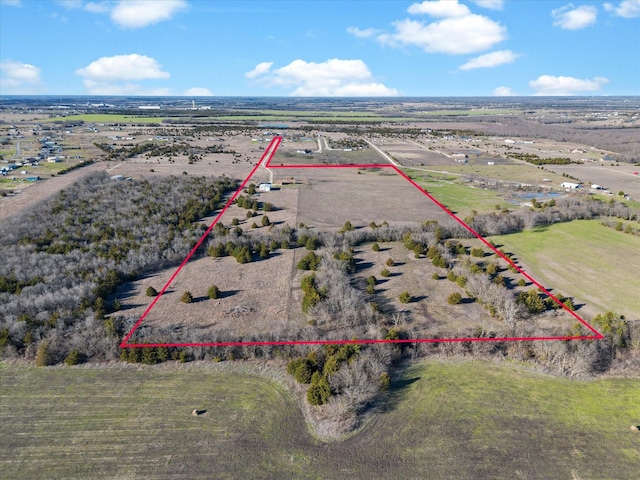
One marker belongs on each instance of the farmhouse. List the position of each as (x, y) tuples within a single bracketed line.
[(264, 187), (569, 185)]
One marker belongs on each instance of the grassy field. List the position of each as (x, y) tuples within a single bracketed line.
[(462, 199), (468, 113), (106, 118), (509, 173), (441, 420), (583, 258)]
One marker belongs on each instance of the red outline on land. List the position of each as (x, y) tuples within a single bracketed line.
[(265, 161)]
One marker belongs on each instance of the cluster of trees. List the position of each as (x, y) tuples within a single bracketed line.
[(62, 262), (155, 149), (564, 210), (536, 160), (349, 373)]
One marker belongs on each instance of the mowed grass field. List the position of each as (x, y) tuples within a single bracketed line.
[(462, 199), (594, 263), (440, 420)]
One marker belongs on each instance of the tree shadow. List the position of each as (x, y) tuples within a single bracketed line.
[(362, 265), (228, 293), (398, 390)]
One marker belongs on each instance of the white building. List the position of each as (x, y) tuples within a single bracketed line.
[(264, 187), (569, 185)]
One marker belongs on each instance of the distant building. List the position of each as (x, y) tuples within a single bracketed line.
[(264, 187), (569, 185)]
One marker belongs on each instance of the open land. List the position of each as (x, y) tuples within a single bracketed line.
[(460, 419), (343, 195), (450, 417), (589, 260)]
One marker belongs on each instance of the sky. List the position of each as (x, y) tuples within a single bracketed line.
[(319, 48)]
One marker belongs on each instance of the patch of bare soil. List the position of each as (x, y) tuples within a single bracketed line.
[(332, 196), (253, 298)]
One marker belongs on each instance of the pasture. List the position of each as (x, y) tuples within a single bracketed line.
[(105, 118), (594, 263), (455, 419)]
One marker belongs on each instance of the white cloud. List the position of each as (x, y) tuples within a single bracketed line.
[(456, 36), (123, 67), (492, 4), (332, 78), (12, 3), (97, 7), (625, 9), (142, 13), (260, 69), (107, 75), (18, 77), (490, 60), (198, 92), (552, 85), (570, 18), (440, 9), (362, 33), (503, 92)]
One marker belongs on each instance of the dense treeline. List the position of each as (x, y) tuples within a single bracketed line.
[(536, 160), (62, 261)]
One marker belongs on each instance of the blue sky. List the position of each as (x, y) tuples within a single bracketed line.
[(313, 48)]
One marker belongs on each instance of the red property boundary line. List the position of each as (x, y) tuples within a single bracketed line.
[(265, 161)]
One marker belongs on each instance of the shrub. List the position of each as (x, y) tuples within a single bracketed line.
[(385, 381), (521, 282), (454, 299), (435, 276), (371, 289), (385, 272), (265, 221), (310, 261), (186, 297), (312, 243), (347, 227), (254, 225), (390, 262), (319, 392), (301, 369), (235, 222), (477, 252), (371, 280), (74, 357), (42, 356), (375, 247), (214, 292), (151, 292), (405, 297)]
